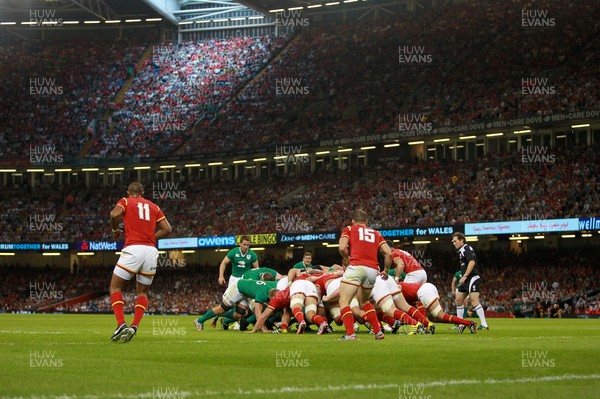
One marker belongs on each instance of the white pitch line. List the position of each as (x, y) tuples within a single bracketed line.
[(330, 388)]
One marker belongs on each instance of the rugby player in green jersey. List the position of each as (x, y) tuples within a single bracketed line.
[(242, 259)]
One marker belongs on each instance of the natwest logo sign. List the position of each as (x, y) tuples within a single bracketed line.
[(100, 246)]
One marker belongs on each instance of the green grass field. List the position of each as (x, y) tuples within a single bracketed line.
[(71, 356)]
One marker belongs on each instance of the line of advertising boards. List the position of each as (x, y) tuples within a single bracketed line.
[(278, 238)]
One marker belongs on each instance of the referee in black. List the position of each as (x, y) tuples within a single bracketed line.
[(469, 282)]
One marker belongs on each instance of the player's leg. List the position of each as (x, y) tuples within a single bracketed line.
[(144, 280), (129, 264), (141, 305), (460, 303), (364, 294), (479, 310), (311, 307), (230, 298), (413, 312), (348, 288), (296, 304), (473, 290), (117, 285), (436, 312)]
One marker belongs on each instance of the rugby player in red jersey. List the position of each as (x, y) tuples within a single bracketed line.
[(405, 262), (144, 223), (278, 300), (427, 294), (359, 246)]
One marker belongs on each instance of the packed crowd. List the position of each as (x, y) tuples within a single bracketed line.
[(513, 283), (494, 188), (51, 93), (478, 54), (174, 89)]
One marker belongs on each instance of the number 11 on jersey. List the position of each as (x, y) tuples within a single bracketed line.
[(143, 211)]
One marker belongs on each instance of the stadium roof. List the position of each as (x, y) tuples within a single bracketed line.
[(25, 10), (174, 11)]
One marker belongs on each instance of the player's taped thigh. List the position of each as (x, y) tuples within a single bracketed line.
[(310, 308), (225, 305), (436, 310), (335, 312), (296, 302), (386, 304)]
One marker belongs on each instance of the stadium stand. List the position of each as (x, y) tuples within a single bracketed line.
[(495, 187)]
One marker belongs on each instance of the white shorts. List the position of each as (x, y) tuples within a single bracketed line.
[(304, 287), (384, 288), (418, 276), (233, 296), (427, 294), (360, 276), (137, 260), (282, 284), (233, 281), (333, 285)]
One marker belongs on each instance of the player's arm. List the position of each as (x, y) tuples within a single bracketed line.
[(453, 285), (334, 297), (278, 276), (115, 217), (222, 267), (255, 264), (260, 321), (164, 229), (399, 263), (343, 248), (470, 267), (387, 258), (292, 274)]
